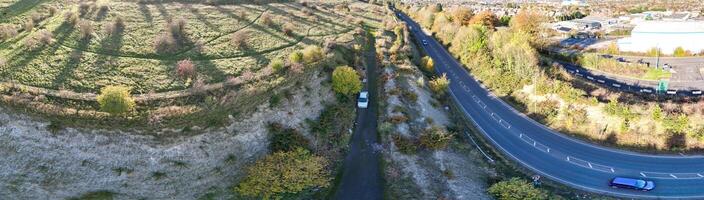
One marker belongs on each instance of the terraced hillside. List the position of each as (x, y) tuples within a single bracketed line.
[(58, 55)]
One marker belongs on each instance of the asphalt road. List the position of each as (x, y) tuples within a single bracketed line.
[(361, 176), (557, 157)]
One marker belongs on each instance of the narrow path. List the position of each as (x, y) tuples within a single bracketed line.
[(361, 176)]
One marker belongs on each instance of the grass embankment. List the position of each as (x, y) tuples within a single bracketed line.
[(612, 66)]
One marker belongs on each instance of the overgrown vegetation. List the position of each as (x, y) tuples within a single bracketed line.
[(116, 100), (516, 189), (346, 81)]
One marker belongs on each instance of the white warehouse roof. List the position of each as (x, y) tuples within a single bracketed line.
[(665, 35)]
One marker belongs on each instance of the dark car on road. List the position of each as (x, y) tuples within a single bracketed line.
[(425, 42), (632, 183)]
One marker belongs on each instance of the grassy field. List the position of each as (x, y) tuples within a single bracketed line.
[(65, 49), (129, 57)]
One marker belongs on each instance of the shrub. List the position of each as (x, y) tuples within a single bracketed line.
[(680, 52), (296, 57), (239, 39), (185, 69), (3, 62), (439, 85), (285, 139), (485, 18), (277, 65), (288, 29), (86, 29), (165, 43), (52, 11), (428, 64), (28, 26), (118, 25), (284, 172), (84, 7), (405, 145), (435, 138), (345, 81), (36, 17), (70, 18), (652, 52), (515, 189), (266, 20), (115, 100), (7, 31), (312, 54), (178, 27)]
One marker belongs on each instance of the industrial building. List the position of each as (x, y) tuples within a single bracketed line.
[(666, 36)]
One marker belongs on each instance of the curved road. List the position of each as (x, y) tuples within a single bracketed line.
[(555, 156)]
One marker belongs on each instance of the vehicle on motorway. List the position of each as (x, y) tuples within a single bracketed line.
[(601, 81), (425, 42), (696, 92), (645, 90), (671, 92), (590, 78), (631, 183), (363, 100), (621, 59), (616, 85)]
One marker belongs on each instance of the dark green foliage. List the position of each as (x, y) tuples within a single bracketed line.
[(405, 145), (285, 139)]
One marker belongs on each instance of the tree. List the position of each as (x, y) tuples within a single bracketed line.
[(461, 16), (439, 85), (86, 29), (656, 113), (516, 189), (652, 52), (485, 18), (428, 64), (284, 172), (527, 21), (115, 100), (680, 52), (345, 81)]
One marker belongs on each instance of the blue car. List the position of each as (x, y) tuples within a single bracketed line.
[(631, 183)]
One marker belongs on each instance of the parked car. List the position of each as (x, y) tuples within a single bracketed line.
[(363, 100), (631, 183)]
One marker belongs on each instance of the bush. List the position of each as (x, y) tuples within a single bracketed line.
[(428, 64), (296, 57), (3, 62), (516, 189), (185, 69), (485, 18), (115, 100), (178, 27), (84, 7), (115, 27), (28, 26), (435, 138), (70, 18), (36, 17), (266, 19), (277, 65), (345, 81), (285, 139), (288, 29), (439, 85), (7, 31), (284, 173), (312, 54), (165, 43), (239, 39), (680, 52), (405, 145), (85, 28)]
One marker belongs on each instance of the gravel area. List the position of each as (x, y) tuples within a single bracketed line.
[(38, 164)]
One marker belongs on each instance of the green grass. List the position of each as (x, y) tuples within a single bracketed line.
[(657, 74)]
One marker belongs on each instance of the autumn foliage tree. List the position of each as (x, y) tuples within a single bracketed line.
[(345, 81), (485, 18)]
